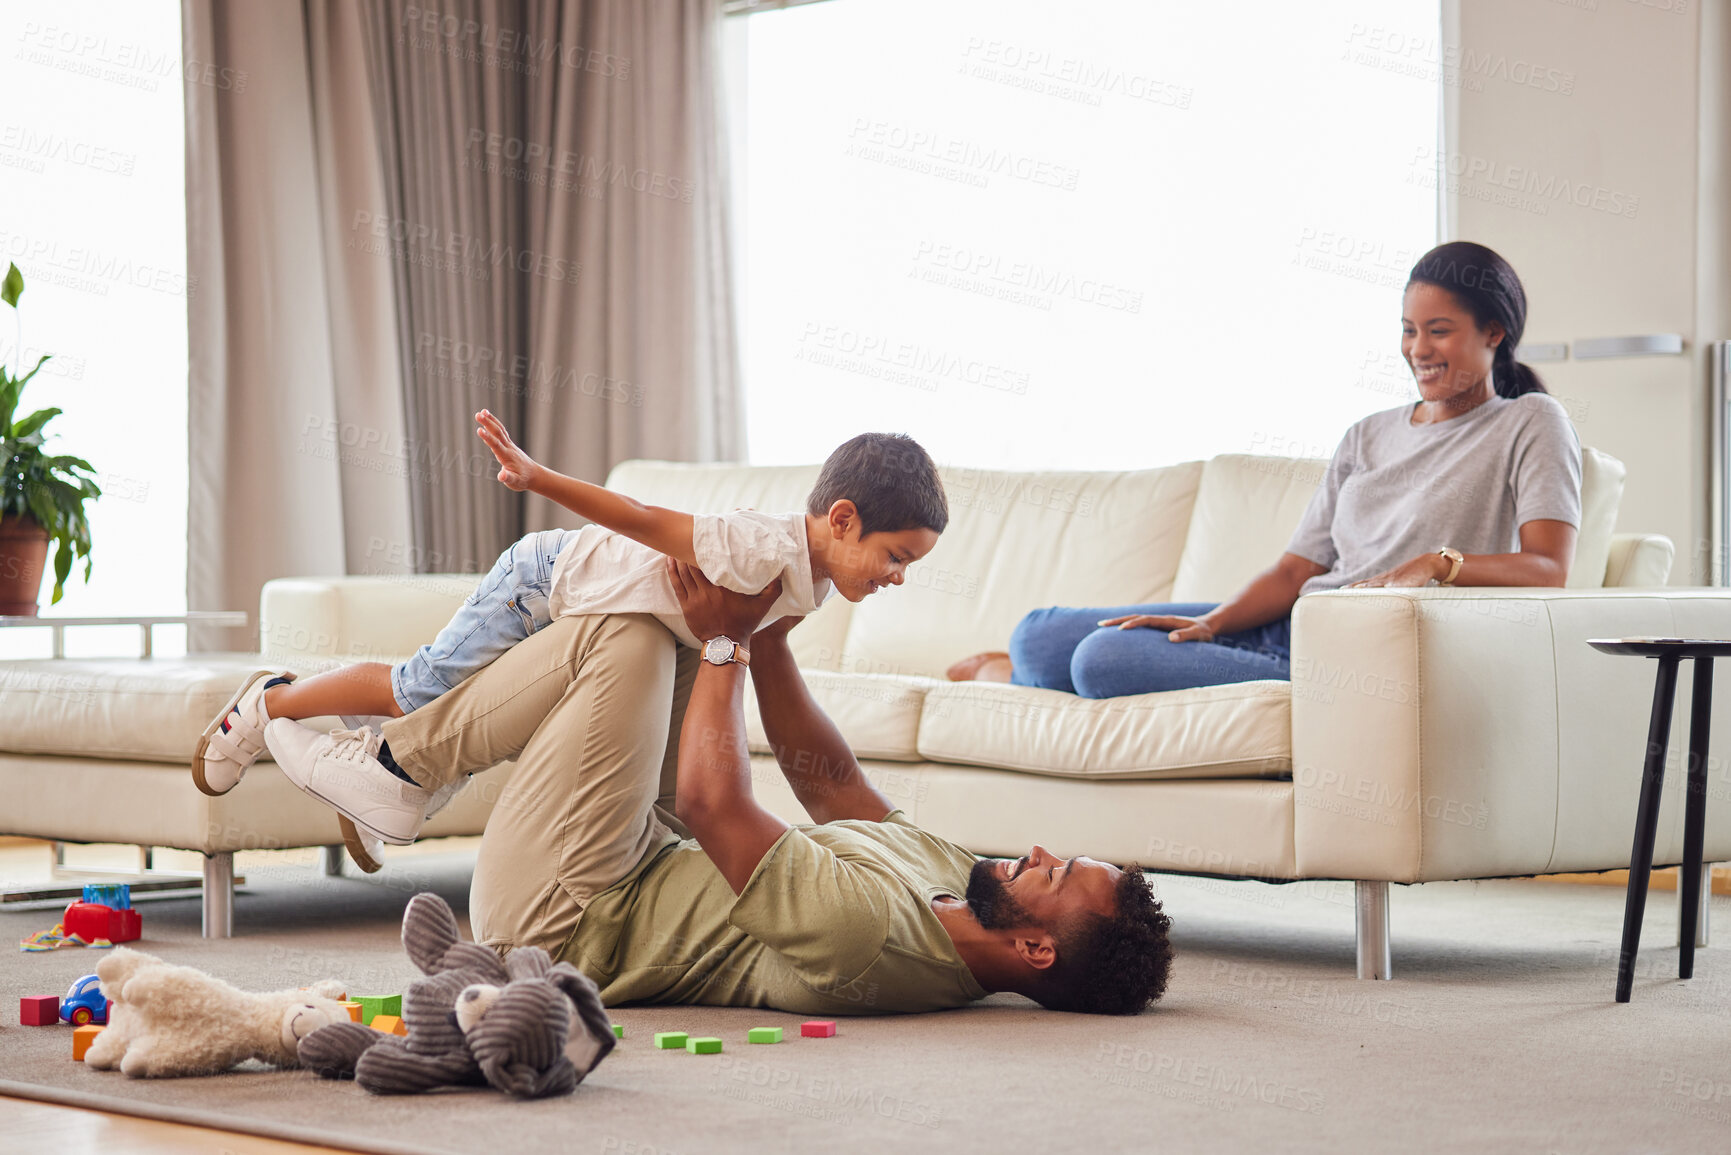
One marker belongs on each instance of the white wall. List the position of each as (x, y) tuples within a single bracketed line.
[(1553, 102)]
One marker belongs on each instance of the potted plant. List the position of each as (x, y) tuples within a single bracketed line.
[(42, 495)]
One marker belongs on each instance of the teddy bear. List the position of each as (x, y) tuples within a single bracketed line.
[(173, 1020), (524, 1025)]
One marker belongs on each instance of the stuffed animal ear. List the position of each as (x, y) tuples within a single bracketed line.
[(120, 965), (527, 962), (429, 930), (327, 989), (590, 1018)]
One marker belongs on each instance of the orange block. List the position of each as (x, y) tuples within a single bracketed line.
[(82, 1037), (390, 1024), (354, 1010)]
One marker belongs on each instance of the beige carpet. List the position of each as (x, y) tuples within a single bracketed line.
[(1499, 1034)]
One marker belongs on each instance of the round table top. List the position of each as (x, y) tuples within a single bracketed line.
[(1664, 647)]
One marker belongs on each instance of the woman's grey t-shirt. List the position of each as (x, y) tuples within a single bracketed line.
[(1395, 490)]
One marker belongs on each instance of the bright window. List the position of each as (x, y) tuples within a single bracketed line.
[(1103, 235), (94, 215)]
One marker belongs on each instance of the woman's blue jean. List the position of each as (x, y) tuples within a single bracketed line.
[(1066, 649)]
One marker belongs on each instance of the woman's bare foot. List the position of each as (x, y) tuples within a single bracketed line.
[(991, 666)]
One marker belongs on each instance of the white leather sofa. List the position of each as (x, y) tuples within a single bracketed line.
[(1426, 734)]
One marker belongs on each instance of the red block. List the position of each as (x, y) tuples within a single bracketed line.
[(91, 920), (818, 1029), (39, 1010)]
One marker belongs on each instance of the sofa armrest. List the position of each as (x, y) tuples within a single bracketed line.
[(319, 620), (1639, 559), (1460, 733)]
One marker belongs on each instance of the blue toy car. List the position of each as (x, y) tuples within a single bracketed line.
[(84, 1003)]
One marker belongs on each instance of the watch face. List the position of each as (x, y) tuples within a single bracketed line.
[(718, 650)]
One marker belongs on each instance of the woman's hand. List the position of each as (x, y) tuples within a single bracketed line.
[(516, 469), (1421, 570), (712, 611), (1181, 629)]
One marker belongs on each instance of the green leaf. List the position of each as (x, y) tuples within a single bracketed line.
[(34, 422), (62, 567), (34, 369), (12, 287)]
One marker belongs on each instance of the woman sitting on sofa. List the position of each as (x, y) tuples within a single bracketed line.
[(1477, 484)]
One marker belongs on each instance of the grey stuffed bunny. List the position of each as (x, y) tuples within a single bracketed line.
[(526, 1025)]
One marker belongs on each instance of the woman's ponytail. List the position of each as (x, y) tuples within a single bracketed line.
[(1486, 284), (1510, 377)]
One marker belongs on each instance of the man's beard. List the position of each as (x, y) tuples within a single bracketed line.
[(994, 907)]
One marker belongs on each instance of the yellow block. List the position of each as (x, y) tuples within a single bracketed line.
[(354, 1010), (390, 1024), (82, 1037)]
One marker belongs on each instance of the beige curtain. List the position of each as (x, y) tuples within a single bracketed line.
[(402, 215)]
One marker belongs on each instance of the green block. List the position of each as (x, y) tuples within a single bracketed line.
[(379, 1005), (763, 1035), (670, 1040), (618, 1031), (703, 1046)]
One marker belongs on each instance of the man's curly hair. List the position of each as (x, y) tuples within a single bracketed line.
[(1111, 966)]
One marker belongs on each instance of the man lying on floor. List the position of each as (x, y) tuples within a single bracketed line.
[(861, 913)]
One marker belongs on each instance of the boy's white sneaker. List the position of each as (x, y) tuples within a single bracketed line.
[(235, 737), (342, 770), (366, 851)]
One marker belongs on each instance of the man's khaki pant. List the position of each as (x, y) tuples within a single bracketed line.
[(590, 707)]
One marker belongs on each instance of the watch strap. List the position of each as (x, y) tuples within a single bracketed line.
[(1455, 560)]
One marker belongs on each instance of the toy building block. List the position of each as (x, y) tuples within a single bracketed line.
[(818, 1029), (82, 1037), (117, 896), (354, 1010), (39, 1011), (763, 1035), (379, 1005), (670, 1040), (389, 1024), (618, 1030), (703, 1046)]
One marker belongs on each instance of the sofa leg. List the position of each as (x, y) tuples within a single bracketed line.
[(1374, 959), (334, 861), (1704, 901), (219, 895)]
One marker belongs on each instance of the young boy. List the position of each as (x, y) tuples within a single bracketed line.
[(877, 507)]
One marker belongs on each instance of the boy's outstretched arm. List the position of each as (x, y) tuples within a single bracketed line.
[(666, 530)]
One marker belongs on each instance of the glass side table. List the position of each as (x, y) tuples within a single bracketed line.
[(145, 625)]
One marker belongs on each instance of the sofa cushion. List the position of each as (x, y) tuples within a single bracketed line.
[(1241, 730), (1016, 542), (879, 715), (1247, 507), (139, 709)]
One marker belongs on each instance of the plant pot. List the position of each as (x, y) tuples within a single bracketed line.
[(23, 560)]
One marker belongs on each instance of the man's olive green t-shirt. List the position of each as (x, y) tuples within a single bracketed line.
[(836, 920)]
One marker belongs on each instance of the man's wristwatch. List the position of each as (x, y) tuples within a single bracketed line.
[(722, 650), (1454, 558)]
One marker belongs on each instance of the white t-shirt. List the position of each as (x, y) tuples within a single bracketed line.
[(1396, 490), (602, 572)]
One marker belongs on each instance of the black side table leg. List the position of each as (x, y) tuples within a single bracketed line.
[(1694, 813), (1646, 823)]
